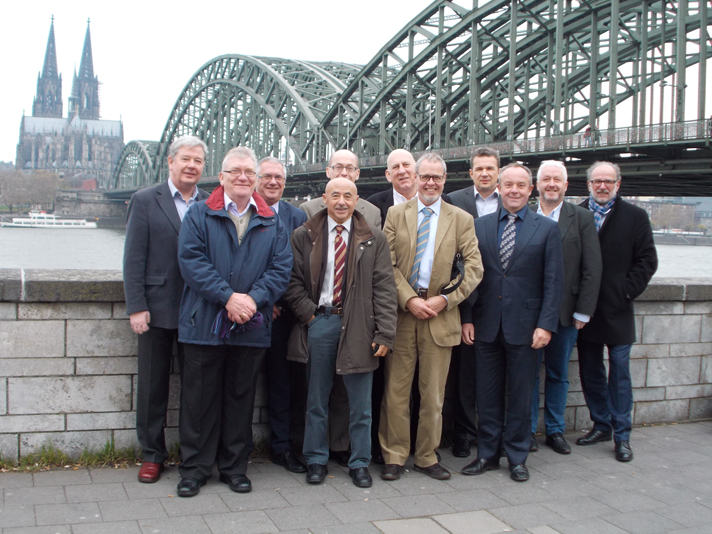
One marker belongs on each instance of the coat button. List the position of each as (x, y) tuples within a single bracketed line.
[(500, 297)]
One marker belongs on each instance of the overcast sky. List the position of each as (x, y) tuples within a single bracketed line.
[(144, 55)]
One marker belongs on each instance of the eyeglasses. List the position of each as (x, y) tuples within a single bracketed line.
[(237, 172), (437, 178), (270, 177), (339, 167), (609, 182)]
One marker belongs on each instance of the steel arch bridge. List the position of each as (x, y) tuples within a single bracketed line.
[(455, 76)]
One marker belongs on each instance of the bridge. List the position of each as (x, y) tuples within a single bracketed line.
[(525, 76)]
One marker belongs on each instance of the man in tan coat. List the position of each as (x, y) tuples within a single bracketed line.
[(424, 234)]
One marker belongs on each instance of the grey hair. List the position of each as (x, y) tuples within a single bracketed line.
[(189, 141), (552, 163), (432, 157), (596, 164), (485, 151), (241, 152), (272, 159), (516, 165)]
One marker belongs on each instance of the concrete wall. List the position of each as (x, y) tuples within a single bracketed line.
[(68, 361)]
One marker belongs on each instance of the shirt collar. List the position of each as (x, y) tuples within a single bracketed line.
[(554, 214), (333, 224), (229, 201), (398, 198), (275, 207), (520, 214), (435, 206), (175, 191), (495, 194)]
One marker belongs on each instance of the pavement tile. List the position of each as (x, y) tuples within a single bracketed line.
[(359, 511), (579, 508), (418, 505), (279, 479), (527, 515), (627, 501), (117, 527), (127, 510), (16, 480), (55, 529), (17, 516), (162, 488), (487, 480), (615, 482), (410, 526), (684, 457), (321, 494), (567, 488), (418, 484), (62, 478), (379, 490), (587, 526), (66, 514), (560, 470), (296, 517), (688, 515), (706, 529), (481, 522), (255, 500), (645, 522), (28, 496), (673, 494), (175, 525), (521, 493), (203, 503), (542, 530), (110, 475), (96, 493), (470, 500), (351, 528)]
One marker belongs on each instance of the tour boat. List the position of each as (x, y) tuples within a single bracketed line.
[(40, 219)]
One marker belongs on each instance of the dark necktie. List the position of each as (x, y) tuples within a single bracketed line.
[(507, 244)]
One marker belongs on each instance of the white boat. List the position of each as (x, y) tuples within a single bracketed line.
[(39, 219)]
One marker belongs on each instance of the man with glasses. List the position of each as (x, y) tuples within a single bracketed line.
[(271, 176), (424, 235), (629, 262), (236, 261)]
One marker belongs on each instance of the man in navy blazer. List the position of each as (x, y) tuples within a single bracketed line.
[(271, 176), (153, 287), (516, 311)]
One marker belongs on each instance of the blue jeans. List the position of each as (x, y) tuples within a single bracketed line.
[(323, 340), (609, 401), (556, 387)]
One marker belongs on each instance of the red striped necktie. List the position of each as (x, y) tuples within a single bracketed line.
[(339, 264)]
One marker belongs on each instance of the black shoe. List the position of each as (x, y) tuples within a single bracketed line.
[(623, 451), (558, 443), (392, 472), (237, 483), (502, 451), (377, 457), (361, 477), (479, 466), (436, 471), (289, 461), (518, 472), (189, 487), (533, 445), (316, 473), (594, 436), (461, 448), (340, 457)]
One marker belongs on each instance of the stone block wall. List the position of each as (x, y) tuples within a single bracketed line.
[(68, 361)]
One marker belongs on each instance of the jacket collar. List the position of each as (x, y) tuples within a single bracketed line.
[(361, 230), (216, 201)]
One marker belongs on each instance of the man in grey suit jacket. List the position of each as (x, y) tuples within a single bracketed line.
[(153, 287), (582, 279)]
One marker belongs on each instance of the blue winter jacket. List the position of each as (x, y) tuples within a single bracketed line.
[(214, 266)]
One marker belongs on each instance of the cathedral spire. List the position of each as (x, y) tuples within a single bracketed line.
[(48, 100), (86, 67), (85, 86)]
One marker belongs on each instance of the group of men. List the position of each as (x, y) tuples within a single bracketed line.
[(355, 307)]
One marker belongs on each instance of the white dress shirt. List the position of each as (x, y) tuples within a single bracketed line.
[(426, 262), (398, 198), (488, 205), (181, 205), (326, 297)]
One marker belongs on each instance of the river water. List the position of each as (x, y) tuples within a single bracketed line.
[(40, 248)]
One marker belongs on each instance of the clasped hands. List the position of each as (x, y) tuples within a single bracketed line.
[(426, 309), (240, 308)]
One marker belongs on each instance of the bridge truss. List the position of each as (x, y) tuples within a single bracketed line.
[(458, 74)]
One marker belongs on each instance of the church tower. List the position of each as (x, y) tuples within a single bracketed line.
[(84, 100), (48, 101)]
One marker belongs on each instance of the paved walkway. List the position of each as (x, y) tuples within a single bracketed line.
[(666, 488)]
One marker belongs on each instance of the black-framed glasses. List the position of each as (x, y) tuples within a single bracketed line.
[(237, 172), (609, 182), (437, 178), (269, 177), (339, 167)]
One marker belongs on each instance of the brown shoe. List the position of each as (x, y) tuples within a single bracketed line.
[(150, 472), (392, 471), (436, 471)]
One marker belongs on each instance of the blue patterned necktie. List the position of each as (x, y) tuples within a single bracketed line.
[(507, 244), (421, 243)]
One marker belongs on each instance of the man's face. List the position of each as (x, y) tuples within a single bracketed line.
[(401, 172), (186, 167), (270, 182), (484, 173), (603, 184), (515, 189), (340, 198), (551, 185), (238, 186), (430, 191), (343, 164)]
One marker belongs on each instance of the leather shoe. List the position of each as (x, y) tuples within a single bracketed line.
[(237, 483), (316, 473), (594, 436), (150, 472), (461, 448), (623, 451), (533, 444), (436, 471), (340, 457), (392, 471), (361, 477), (558, 443), (189, 487), (518, 472), (289, 461), (479, 466)]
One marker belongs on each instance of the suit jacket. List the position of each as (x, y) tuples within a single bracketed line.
[(455, 233), (368, 210), (528, 294), (152, 279), (582, 262), (629, 262), (465, 200)]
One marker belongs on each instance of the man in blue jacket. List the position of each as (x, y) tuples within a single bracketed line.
[(236, 261)]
